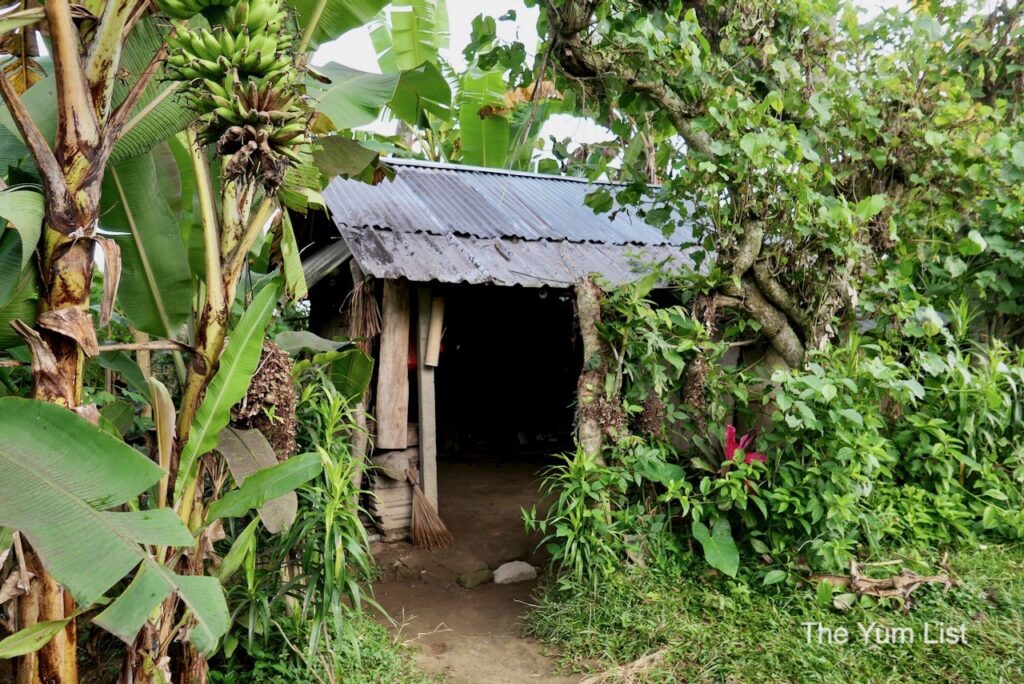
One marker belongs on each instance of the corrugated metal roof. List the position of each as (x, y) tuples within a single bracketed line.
[(422, 257), (468, 224)]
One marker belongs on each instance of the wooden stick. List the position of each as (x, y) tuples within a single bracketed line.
[(433, 348), (155, 345), (427, 424)]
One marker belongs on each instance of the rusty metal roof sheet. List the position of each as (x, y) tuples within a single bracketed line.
[(467, 224)]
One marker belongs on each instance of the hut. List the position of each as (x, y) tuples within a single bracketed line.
[(460, 282)]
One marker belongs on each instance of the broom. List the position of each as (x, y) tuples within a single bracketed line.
[(428, 530)]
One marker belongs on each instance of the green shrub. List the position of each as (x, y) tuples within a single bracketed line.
[(903, 435)]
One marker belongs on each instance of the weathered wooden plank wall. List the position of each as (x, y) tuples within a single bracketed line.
[(393, 373)]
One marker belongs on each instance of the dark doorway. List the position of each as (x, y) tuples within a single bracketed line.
[(506, 382)]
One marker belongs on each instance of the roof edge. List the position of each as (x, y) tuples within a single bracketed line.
[(450, 166)]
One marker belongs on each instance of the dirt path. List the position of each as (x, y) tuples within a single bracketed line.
[(470, 635)]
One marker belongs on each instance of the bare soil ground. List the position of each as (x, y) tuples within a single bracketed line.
[(470, 635)]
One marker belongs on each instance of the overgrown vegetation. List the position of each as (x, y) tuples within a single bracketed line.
[(712, 629)]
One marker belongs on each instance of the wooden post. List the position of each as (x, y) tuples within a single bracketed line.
[(425, 382), (393, 374)]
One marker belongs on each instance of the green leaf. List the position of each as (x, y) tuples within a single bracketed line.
[(775, 576), (247, 452), (351, 372), (485, 141), (291, 264), (21, 305), (126, 615), (807, 148), (162, 110), (128, 369), (336, 17), (266, 484), (353, 98), (6, 539), (240, 548), (16, 20), (156, 281), (869, 207), (31, 639), (423, 89), (600, 201), (824, 593), (58, 474), (719, 547), (121, 415), (237, 365), (853, 416), (417, 32), (844, 602), (336, 155), (23, 211), (972, 245), (1017, 154)]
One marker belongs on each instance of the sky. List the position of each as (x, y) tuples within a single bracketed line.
[(355, 50)]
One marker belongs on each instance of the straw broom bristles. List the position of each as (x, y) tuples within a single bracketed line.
[(428, 530)]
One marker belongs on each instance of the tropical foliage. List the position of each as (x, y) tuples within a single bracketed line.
[(181, 177)]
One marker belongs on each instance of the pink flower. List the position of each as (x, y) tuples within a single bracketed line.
[(731, 445)]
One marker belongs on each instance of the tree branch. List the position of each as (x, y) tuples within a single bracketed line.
[(104, 57), (774, 324), (781, 298), (119, 117), (78, 122), (749, 249), (53, 180)]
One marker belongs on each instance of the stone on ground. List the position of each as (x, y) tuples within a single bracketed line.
[(474, 578), (516, 571)]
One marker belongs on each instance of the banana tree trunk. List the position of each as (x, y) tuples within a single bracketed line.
[(67, 267)]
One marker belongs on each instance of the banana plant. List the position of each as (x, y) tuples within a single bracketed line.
[(81, 109), (217, 142), (491, 123)]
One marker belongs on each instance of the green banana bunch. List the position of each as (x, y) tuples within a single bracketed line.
[(186, 9), (198, 53), (243, 82), (256, 15)]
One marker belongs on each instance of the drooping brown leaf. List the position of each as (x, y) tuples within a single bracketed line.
[(21, 48), (163, 417), (15, 585), (111, 276), (45, 374), (74, 323), (247, 451), (90, 412)]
